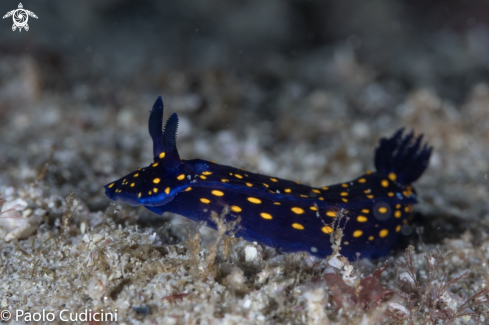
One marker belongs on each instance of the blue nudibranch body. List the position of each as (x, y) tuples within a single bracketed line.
[(291, 217)]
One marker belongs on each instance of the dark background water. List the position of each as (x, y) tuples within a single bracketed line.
[(441, 44)]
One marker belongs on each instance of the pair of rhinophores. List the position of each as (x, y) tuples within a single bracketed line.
[(371, 209)]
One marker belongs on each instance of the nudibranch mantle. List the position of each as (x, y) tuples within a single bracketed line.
[(371, 209)]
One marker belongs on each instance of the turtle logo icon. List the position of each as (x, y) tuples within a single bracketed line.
[(20, 17)]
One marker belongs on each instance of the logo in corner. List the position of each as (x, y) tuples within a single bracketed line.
[(20, 17)]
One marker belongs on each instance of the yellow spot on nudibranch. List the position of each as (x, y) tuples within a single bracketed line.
[(321, 199), (265, 216), (383, 233), (371, 238), (236, 208), (331, 214), (156, 180), (367, 191), (139, 195), (249, 184), (325, 188), (344, 200), (313, 208), (217, 193), (110, 186), (390, 194), (297, 210), (167, 190), (382, 209), (136, 175), (297, 226), (149, 193), (362, 180), (397, 214), (344, 193), (398, 206), (408, 208), (276, 203), (365, 210), (155, 190), (357, 233), (287, 190), (370, 196), (180, 177), (238, 176), (266, 185), (316, 191), (392, 176), (362, 219), (384, 183), (398, 228), (206, 201), (344, 185), (327, 229), (203, 177), (132, 184), (188, 189), (224, 180), (273, 179), (368, 173), (155, 164), (206, 173), (162, 155), (302, 195), (254, 200)]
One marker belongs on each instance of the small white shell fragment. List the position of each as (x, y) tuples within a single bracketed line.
[(335, 261), (98, 286), (394, 306), (92, 239), (26, 213), (247, 304), (347, 270), (236, 278), (406, 277), (250, 253), (17, 204), (17, 222), (347, 276)]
